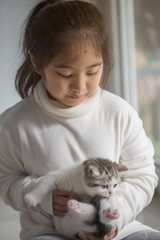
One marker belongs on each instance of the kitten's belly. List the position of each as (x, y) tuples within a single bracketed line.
[(70, 225)]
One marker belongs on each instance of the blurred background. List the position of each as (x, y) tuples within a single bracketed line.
[(136, 75)]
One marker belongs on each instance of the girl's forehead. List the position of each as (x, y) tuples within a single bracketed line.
[(75, 51)]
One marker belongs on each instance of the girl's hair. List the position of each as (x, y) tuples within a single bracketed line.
[(51, 26)]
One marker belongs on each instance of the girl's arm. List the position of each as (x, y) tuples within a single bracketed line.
[(15, 182), (137, 188)]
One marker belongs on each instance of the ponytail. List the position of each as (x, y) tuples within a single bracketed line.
[(26, 77)]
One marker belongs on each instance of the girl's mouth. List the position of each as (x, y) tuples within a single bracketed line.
[(75, 97)]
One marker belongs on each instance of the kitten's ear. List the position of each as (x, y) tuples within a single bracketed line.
[(92, 171), (120, 167), (90, 168)]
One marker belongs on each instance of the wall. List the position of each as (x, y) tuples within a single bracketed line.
[(12, 15)]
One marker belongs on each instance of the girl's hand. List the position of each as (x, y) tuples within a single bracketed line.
[(60, 199), (110, 236)]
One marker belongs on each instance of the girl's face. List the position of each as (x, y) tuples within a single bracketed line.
[(73, 75)]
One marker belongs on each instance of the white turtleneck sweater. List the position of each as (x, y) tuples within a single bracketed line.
[(39, 135)]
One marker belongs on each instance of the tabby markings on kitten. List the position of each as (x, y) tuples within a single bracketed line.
[(103, 173)]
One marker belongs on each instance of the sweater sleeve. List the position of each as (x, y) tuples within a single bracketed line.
[(14, 179), (137, 188)]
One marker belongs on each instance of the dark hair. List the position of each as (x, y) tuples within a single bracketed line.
[(53, 24)]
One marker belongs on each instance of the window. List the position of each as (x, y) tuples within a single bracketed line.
[(147, 35), (136, 43)]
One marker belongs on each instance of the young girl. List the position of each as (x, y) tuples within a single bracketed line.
[(65, 117)]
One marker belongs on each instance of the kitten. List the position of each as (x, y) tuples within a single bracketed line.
[(94, 179)]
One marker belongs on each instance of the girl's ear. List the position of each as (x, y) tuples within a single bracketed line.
[(34, 62)]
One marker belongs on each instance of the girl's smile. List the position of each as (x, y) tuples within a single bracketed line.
[(71, 78)]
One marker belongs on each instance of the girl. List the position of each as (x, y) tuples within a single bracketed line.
[(65, 117)]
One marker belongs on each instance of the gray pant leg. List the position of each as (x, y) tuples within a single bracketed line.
[(49, 237), (143, 235)]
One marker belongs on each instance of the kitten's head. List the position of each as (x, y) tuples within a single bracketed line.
[(102, 176)]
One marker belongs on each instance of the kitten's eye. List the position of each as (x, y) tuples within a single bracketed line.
[(105, 186), (115, 185)]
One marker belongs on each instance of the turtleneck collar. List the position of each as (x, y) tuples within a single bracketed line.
[(59, 109)]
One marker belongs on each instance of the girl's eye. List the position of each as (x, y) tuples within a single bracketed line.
[(115, 185), (92, 73), (64, 76)]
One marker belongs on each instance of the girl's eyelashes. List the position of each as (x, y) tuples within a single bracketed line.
[(70, 75), (92, 73), (64, 76)]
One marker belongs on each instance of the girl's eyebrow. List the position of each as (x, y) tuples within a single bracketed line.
[(70, 67)]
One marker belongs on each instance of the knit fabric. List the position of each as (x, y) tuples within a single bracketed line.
[(39, 135)]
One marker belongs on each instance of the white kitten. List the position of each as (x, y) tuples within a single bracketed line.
[(94, 177)]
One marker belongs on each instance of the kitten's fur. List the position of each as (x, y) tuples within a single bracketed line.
[(94, 179)]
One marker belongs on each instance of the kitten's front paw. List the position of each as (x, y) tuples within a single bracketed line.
[(73, 206), (31, 201), (110, 213)]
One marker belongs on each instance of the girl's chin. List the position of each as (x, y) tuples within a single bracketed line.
[(71, 101)]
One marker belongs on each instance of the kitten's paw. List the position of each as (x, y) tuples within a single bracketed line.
[(31, 201), (73, 206), (110, 213)]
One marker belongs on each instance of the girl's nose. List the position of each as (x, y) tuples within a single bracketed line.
[(79, 84)]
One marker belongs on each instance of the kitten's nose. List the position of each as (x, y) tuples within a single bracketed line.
[(110, 192)]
